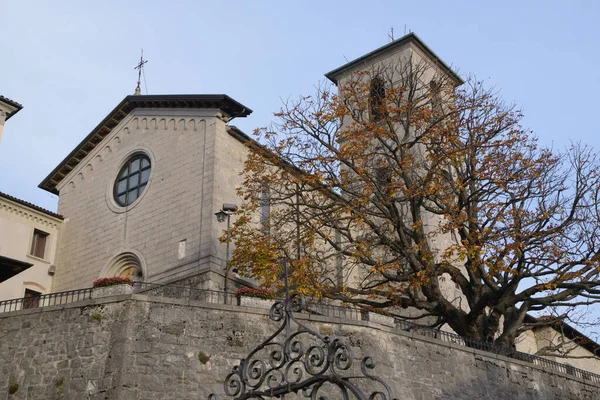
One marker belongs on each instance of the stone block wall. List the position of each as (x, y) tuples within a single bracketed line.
[(172, 227), (135, 347)]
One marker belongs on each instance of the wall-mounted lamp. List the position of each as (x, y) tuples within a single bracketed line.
[(224, 214)]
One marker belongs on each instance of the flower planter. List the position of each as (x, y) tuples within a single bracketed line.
[(255, 302), (115, 290), (379, 319)]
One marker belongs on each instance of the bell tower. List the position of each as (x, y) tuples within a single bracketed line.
[(384, 90)]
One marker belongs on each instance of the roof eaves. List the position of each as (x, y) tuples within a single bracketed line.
[(129, 103), (30, 205), (332, 75), (46, 183), (17, 106), (13, 261), (239, 134)]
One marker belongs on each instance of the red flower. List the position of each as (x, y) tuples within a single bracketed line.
[(112, 281)]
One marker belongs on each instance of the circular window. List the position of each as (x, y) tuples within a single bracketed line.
[(132, 179)]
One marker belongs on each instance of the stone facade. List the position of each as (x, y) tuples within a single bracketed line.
[(107, 291), (134, 347), (170, 230)]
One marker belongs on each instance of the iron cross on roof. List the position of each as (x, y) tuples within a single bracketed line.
[(140, 67)]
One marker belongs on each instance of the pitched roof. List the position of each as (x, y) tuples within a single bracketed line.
[(410, 38), (12, 103), (30, 205), (219, 101)]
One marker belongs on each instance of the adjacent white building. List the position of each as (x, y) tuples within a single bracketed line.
[(29, 237), (8, 108)]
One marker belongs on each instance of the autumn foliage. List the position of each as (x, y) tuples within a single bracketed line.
[(422, 197)]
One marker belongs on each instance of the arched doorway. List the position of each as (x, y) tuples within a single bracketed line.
[(125, 265)]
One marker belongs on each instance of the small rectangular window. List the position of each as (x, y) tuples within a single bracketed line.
[(38, 244), (135, 166), (383, 179), (145, 176), (436, 96), (134, 180), (32, 299), (377, 99)]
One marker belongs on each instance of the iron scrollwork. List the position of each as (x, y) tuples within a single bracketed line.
[(303, 362)]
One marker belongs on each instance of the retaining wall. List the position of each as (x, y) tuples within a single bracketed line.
[(136, 347)]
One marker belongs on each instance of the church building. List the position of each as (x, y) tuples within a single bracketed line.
[(140, 192), (138, 195)]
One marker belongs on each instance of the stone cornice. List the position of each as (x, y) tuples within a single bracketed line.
[(137, 122), (8, 108), (409, 39), (28, 213), (224, 103)]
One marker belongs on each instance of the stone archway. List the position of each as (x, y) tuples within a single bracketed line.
[(126, 265)]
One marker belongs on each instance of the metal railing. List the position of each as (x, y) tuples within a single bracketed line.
[(45, 300), (329, 310), (315, 308)]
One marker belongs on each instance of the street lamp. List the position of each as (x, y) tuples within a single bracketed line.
[(222, 215)]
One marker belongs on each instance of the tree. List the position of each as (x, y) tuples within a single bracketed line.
[(403, 191)]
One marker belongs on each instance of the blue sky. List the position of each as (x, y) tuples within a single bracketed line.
[(70, 62)]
